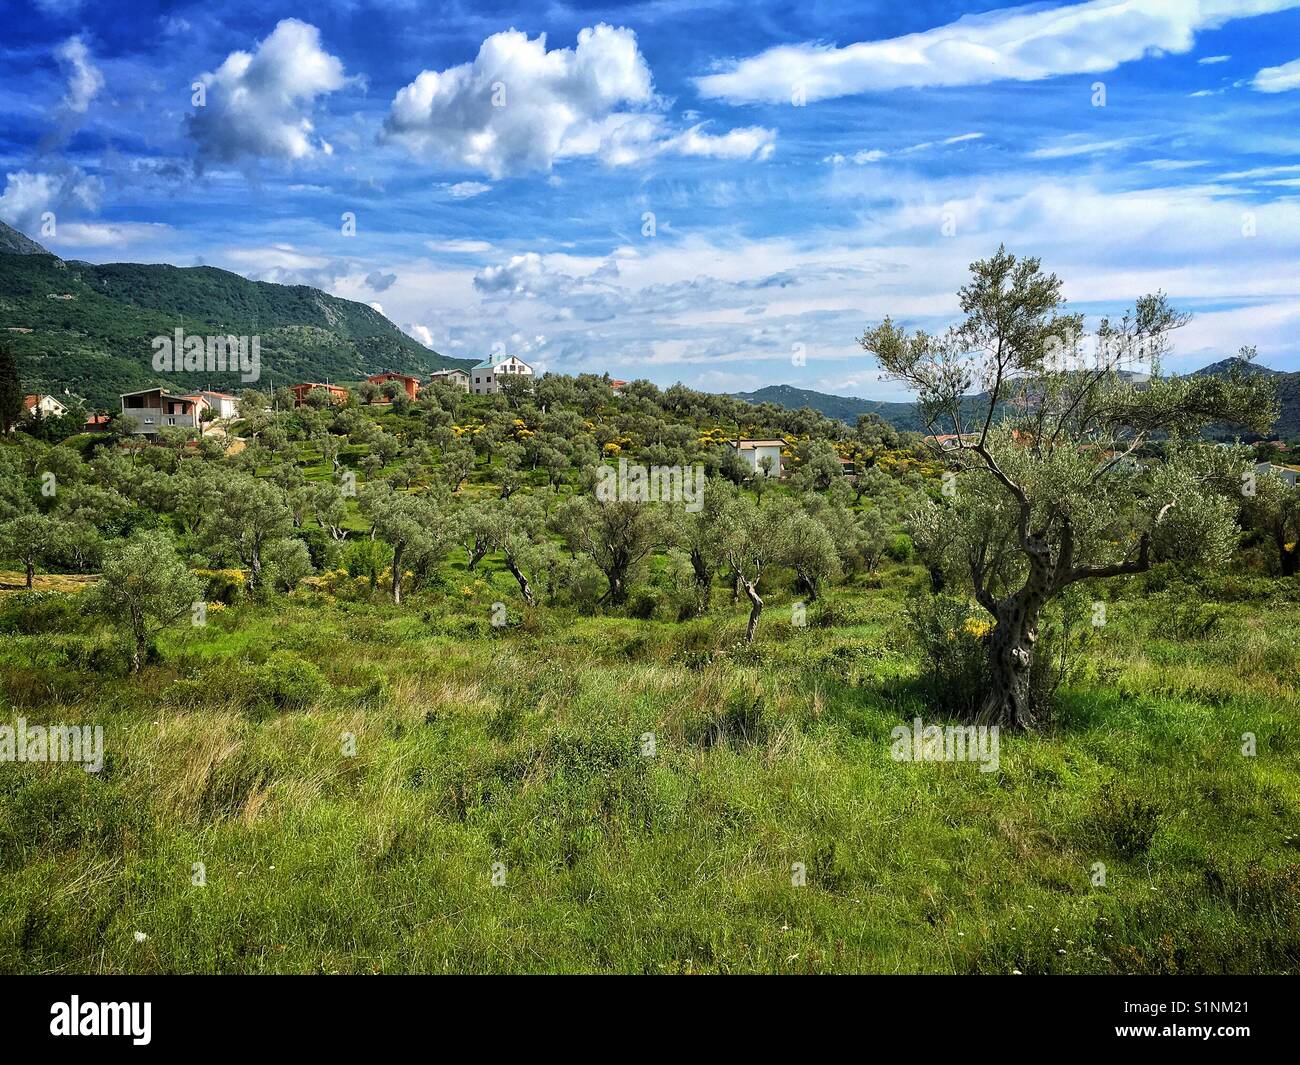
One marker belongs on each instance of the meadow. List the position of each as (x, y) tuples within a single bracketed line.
[(596, 792)]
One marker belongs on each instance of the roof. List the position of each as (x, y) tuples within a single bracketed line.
[(318, 384), (219, 395), (749, 445), (488, 364), (449, 370), (614, 382)]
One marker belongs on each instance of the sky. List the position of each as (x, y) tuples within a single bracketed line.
[(723, 194)]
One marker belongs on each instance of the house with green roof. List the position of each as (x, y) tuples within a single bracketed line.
[(486, 376)]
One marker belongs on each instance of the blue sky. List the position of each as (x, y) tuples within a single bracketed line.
[(723, 193)]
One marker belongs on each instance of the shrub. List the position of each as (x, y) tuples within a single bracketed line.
[(644, 604), (225, 586), (1124, 824), (951, 639), (740, 721), (286, 682), (288, 562), (901, 548), (28, 613)]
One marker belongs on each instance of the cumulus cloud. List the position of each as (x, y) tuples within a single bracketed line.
[(257, 103), (1278, 79), (419, 332), (379, 281), (510, 109), (84, 78), (28, 195), (1021, 44), (518, 108)]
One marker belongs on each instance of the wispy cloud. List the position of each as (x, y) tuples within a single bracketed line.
[(1018, 44)]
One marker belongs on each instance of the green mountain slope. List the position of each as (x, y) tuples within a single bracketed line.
[(904, 416), (90, 328)]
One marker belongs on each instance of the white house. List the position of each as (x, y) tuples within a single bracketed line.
[(151, 409), (48, 406), (221, 402), (1290, 474), (753, 452), (455, 378), (486, 377)]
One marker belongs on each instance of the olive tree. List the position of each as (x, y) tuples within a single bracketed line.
[(146, 585), (245, 514), (617, 535), (756, 538), (1274, 509), (1043, 479), (410, 524), (515, 527)]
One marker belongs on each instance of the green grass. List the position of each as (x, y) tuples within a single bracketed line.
[(523, 747)]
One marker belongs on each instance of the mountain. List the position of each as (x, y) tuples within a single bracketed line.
[(902, 416), (90, 328), (906, 417), (14, 243), (842, 408), (1226, 366)]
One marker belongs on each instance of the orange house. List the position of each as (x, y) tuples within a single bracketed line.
[(337, 394), (411, 384)]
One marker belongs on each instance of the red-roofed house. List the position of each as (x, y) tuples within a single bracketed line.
[(48, 406), (411, 384), (300, 392)]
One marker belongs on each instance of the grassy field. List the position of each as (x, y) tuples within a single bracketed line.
[(522, 751)]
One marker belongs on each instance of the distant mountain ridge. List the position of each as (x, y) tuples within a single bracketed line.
[(89, 328), (906, 416)]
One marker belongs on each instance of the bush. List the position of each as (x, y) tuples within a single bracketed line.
[(29, 613), (1124, 825), (225, 586), (951, 639), (644, 604), (286, 682), (901, 548)]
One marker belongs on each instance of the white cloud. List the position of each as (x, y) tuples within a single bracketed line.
[(464, 190), (257, 103), (458, 247), (419, 332), (108, 234), (1210, 60), (749, 142), (518, 108), (27, 196), (1019, 44), (862, 158), (1073, 146), (84, 78), (1278, 79), (512, 108)]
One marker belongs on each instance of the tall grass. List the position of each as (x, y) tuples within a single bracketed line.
[(642, 792)]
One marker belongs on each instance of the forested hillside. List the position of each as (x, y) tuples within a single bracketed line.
[(89, 328)]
